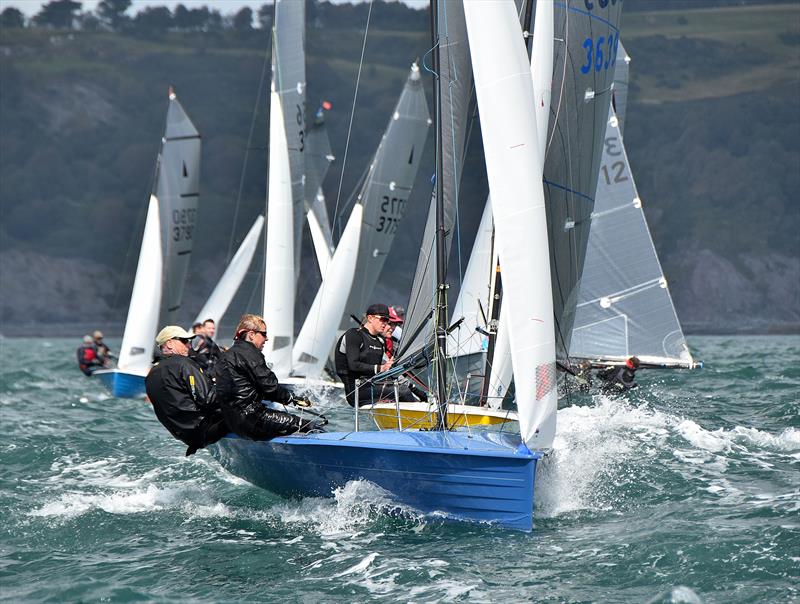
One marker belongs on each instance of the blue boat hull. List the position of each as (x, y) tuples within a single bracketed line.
[(121, 384), (478, 477)]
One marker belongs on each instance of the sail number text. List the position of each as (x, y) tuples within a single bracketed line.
[(392, 210), (183, 224), (600, 53), (301, 122), (590, 4), (615, 172)]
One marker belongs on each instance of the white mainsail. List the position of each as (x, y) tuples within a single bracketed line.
[(322, 245), (318, 333), (141, 326), (226, 288), (508, 126), (624, 307), (279, 275)]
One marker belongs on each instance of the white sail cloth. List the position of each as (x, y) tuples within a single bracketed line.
[(316, 337), (217, 304), (141, 326), (508, 126)]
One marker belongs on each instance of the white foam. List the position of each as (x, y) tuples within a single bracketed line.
[(360, 567)]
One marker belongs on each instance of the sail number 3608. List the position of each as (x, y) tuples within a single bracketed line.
[(183, 224), (392, 210), (600, 53)]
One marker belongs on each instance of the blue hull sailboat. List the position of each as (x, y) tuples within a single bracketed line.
[(462, 473)]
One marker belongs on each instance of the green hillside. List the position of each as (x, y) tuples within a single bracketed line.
[(712, 133)]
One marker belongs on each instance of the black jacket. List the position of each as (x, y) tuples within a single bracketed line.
[(243, 377), (184, 402), (243, 381), (617, 379), (205, 353), (359, 354)]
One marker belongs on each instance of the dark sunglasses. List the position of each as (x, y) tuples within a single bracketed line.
[(184, 340), (381, 319), (263, 333)]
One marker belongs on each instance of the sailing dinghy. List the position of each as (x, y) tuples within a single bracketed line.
[(164, 253), (459, 474)]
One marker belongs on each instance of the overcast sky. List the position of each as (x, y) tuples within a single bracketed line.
[(31, 7)]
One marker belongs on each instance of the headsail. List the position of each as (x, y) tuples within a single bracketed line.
[(624, 306), (226, 288), (177, 190), (508, 125), (386, 190), (317, 336), (141, 325)]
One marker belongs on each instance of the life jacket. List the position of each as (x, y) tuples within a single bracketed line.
[(87, 357)]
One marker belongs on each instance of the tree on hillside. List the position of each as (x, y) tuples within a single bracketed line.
[(112, 12), (11, 17), (153, 20), (265, 16), (243, 20), (59, 14)]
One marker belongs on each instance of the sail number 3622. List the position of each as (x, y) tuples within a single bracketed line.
[(392, 210), (600, 53)]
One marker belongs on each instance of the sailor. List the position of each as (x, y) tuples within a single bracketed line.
[(104, 353), (88, 360), (181, 394), (617, 379), (205, 351), (392, 332), (360, 354), (244, 381)]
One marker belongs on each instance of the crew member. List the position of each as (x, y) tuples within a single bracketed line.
[(617, 379), (104, 353), (360, 354), (182, 397), (205, 351), (243, 381), (87, 356)]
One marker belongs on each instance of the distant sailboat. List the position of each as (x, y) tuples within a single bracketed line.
[(164, 254)]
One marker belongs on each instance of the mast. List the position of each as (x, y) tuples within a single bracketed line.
[(440, 354)]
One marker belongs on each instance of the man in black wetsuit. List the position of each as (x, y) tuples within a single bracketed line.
[(359, 354), (244, 380), (182, 397), (619, 379)]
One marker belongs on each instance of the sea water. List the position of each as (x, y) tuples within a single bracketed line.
[(687, 491)]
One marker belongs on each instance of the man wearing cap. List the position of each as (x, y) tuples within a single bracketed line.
[(182, 397), (619, 379), (243, 380), (360, 351)]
